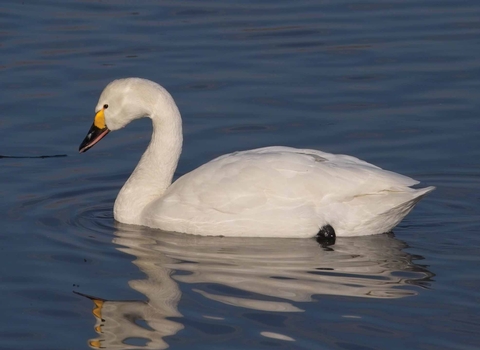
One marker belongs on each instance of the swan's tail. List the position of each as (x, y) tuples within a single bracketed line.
[(422, 192), (394, 215), (414, 198), (381, 212)]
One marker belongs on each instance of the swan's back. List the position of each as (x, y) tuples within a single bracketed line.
[(284, 192)]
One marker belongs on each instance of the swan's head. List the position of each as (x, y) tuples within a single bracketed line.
[(122, 101)]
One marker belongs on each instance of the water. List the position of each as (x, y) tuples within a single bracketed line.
[(395, 83)]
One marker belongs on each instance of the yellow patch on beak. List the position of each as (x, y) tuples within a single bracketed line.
[(99, 121)]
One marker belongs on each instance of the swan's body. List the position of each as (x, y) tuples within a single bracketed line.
[(266, 192)]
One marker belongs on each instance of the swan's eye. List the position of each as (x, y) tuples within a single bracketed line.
[(105, 106)]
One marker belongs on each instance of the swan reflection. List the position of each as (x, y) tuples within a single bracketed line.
[(273, 275)]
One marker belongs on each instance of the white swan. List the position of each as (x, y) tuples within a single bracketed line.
[(265, 192)]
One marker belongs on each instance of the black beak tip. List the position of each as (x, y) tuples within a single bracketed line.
[(84, 146), (94, 135)]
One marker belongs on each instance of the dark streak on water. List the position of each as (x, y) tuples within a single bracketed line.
[(33, 157), (395, 83)]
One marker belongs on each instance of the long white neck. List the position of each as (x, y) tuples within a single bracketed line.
[(154, 172)]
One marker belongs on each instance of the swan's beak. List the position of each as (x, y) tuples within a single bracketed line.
[(97, 132)]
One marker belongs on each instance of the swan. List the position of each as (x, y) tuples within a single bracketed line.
[(266, 192)]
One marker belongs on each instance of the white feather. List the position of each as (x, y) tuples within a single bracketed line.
[(266, 192)]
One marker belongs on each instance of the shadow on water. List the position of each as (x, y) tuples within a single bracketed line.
[(269, 275), (33, 157)]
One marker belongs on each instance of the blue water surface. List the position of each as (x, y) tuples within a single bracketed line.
[(395, 83)]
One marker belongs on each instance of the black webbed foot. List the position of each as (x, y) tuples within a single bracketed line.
[(326, 236)]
